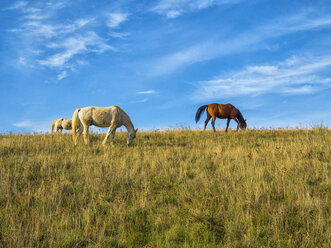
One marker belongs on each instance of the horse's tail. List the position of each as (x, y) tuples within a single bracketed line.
[(74, 124), (52, 127), (199, 112)]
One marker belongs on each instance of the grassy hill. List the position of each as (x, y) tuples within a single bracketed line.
[(178, 188)]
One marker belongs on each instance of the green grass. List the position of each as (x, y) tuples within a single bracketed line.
[(183, 188)]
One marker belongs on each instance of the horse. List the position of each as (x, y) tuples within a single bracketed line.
[(112, 117), (61, 124), (222, 111)]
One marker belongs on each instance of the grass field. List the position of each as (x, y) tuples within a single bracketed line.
[(178, 188)]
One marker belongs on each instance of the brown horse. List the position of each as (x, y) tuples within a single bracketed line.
[(222, 111)]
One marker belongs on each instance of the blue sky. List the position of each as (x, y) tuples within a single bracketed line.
[(161, 60)]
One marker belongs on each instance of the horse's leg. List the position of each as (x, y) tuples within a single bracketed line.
[(85, 134), (112, 136), (79, 132), (213, 123), (111, 131), (207, 120), (61, 129), (227, 124), (237, 123)]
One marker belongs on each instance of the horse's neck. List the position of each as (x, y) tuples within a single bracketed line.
[(128, 124)]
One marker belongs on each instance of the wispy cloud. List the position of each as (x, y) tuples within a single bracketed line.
[(62, 75), (140, 101), (171, 14), (82, 22), (174, 8), (25, 6), (72, 46), (115, 19), (38, 28), (35, 17), (17, 5), (119, 35), (172, 62), (22, 61), (297, 75), (22, 124), (33, 125), (146, 92), (57, 4), (58, 42), (248, 40)]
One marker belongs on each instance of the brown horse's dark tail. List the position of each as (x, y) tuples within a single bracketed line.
[(199, 112)]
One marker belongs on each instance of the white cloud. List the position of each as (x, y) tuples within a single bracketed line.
[(266, 70), (81, 62), (82, 22), (58, 42), (31, 10), (34, 16), (173, 14), (56, 5), (174, 8), (141, 101), (296, 23), (22, 61), (22, 124), (146, 92), (72, 46), (34, 125), (62, 75), (115, 19), (118, 35), (172, 62), (38, 29), (17, 5), (248, 40), (302, 76)]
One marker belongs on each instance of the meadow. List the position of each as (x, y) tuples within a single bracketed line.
[(175, 188)]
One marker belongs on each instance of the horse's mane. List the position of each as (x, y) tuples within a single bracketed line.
[(240, 117)]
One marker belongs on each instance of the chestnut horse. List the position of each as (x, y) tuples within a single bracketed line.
[(222, 111)]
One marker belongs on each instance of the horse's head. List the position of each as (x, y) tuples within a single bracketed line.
[(131, 136), (243, 125)]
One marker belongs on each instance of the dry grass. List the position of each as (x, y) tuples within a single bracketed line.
[(258, 188)]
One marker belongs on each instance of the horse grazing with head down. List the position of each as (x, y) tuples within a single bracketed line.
[(222, 111), (61, 124), (112, 117)]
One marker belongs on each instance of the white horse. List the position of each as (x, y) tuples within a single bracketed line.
[(61, 124), (112, 117)]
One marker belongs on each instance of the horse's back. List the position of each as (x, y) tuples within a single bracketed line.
[(212, 108), (98, 116), (222, 110), (58, 122), (67, 124)]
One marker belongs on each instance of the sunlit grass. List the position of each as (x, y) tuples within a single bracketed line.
[(258, 188)]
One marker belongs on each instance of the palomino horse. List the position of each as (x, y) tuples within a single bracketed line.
[(222, 111), (112, 117), (61, 124)]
